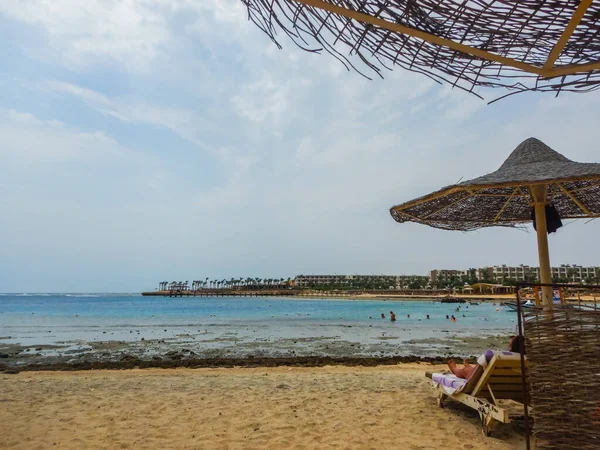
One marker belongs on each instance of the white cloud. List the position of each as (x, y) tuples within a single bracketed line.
[(267, 98), (28, 140), (183, 122), (132, 35), (303, 157), (21, 117), (128, 32)]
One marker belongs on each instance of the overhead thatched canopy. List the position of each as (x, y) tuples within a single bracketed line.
[(518, 44), (503, 197)]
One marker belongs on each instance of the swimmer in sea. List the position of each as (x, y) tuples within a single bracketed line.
[(382, 315), (392, 316)]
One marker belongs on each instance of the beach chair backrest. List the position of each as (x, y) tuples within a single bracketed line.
[(472, 382), (502, 378)]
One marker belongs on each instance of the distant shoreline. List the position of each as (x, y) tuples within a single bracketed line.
[(325, 295), (345, 295)]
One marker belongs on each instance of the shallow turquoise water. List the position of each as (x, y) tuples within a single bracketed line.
[(51, 318)]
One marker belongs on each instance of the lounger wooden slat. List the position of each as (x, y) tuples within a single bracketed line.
[(501, 380), (505, 380), (509, 364), (506, 388), (508, 372)]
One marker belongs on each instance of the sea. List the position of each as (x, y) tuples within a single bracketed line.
[(245, 325)]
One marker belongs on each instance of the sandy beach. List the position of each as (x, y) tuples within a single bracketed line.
[(384, 407)]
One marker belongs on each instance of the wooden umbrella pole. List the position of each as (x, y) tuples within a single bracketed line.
[(539, 197)]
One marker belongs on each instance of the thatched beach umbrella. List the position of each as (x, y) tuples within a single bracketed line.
[(517, 44), (535, 184)]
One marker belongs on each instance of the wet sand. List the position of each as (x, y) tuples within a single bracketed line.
[(383, 407)]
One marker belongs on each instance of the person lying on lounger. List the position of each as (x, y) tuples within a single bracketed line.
[(516, 345)]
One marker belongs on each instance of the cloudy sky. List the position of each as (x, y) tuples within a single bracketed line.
[(150, 140)]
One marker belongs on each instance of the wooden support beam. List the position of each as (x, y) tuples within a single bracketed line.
[(501, 195), (365, 18), (547, 71), (580, 205), (566, 34), (462, 199), (539, 194), (505, 205), (591, 186), (571, 69), (492, 395)]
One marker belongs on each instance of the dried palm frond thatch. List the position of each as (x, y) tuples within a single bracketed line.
[(517, 44), (504, 198)]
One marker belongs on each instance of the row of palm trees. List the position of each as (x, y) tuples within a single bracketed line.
[(233, 283)]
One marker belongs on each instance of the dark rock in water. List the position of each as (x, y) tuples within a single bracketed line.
[(3, 355), (37, 349), (74, 351), (129, 358), (174, 355)]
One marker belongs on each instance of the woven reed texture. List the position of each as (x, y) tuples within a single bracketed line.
[(503, 198), (563, 353), (524, 30)]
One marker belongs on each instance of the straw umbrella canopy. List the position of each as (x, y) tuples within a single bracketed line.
[(516, 44), (534, 183)]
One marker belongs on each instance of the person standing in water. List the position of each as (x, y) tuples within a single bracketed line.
[(392, 316)]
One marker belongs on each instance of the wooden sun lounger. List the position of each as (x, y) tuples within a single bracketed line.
[(501, 380)]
